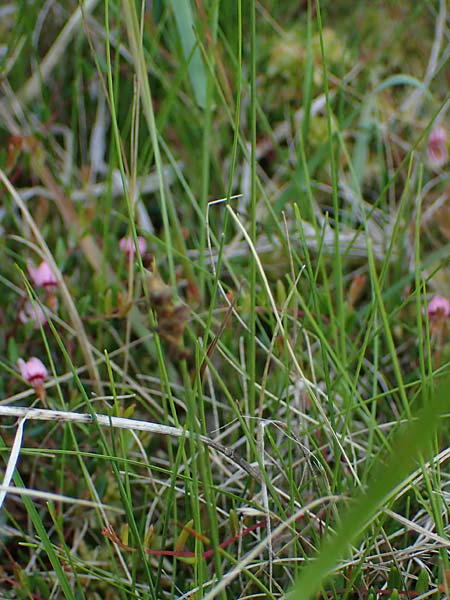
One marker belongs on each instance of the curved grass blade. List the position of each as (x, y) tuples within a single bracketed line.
[(412, 447)]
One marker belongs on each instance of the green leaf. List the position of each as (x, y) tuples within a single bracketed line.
[(394, 578), (423, 582), (185, 24)]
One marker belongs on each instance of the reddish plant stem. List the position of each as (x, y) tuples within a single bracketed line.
[(110, 534)]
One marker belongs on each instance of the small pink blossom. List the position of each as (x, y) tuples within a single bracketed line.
[(43, 276), (127, 245), (33, 371), (438, 307), (33, 312), (437, 147)]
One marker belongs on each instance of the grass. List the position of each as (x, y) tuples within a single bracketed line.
[(255, 404)]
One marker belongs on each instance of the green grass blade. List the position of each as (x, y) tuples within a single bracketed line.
[(388, 473), (182, 11)]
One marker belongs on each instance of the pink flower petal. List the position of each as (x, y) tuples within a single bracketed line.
[(439, 305), (33, 371), (32, 312), (126, 244), (43, 276), (437, 147)]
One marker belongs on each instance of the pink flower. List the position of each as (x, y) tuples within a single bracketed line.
[(438, 307), (437, 147), (127, 245), (32, 312), (33, 371), (43, 276)]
